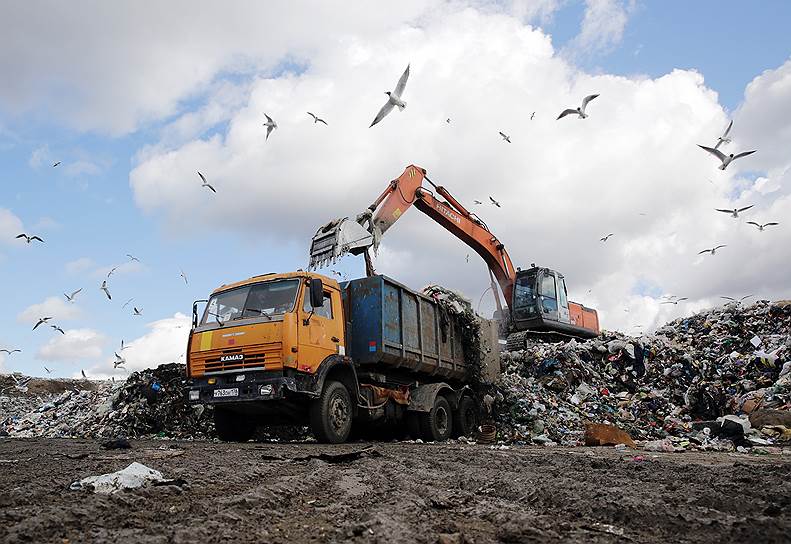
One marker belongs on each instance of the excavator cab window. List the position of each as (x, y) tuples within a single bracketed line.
[(525, 296), (549, 301)]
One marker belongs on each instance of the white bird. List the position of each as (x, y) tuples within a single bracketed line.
[(137, 311), (83, 373), (532, 115), (495, 202), (735, 211), (106, 290), (506, 137), (674, 301), (270, 125), (123, 347), (112, 270), (56, 164), (762, 226), (125, 304), (206, 183), (579, 111), (724, 138), (739, 300), (317, 119), (58, 329), (607, 237), (183, 275), (41, 321), (119, 361), (713, 250), (726, 159), (48, 370), (10, 351), (70, 297), (447, 120), (29, 239), (132, 258), (477, 202), (393, 99)]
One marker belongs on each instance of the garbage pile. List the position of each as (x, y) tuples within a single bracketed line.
[(148, 403), (455, 304), (697, 382)]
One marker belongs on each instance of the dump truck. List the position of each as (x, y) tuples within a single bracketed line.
[(536, 298), (301, 348)]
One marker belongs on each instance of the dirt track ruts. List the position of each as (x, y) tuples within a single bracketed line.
[(412, 493)]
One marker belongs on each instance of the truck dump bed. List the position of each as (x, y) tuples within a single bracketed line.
[(393, 327)]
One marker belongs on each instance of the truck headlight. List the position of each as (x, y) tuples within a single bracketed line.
[(194, 394), (265, 390)]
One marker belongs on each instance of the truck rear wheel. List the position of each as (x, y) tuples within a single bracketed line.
[(465, 419), (331, 414), (437, 424), (232, 427)]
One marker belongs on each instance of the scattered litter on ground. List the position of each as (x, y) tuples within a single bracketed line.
[(132, 477)]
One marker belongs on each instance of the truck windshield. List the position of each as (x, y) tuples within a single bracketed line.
[(525, 296), (258, 300)]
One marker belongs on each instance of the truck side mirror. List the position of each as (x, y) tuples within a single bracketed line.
[(316, 293), (195, 312)]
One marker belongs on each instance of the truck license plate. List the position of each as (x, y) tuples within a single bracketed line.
[(232, 392)]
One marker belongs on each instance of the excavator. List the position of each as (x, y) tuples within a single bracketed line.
[(536, 298)]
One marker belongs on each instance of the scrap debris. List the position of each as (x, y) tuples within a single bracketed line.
[(134, 476)]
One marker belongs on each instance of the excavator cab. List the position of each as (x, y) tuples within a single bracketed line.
[(540, 302)]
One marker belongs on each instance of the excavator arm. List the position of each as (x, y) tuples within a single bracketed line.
[(346, 236)]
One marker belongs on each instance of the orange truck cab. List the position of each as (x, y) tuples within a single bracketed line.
[(300, 348)]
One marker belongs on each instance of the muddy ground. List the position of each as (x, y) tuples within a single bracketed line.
[(410, 493)]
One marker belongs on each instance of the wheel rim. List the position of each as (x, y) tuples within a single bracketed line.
[(339, 413), (441, 420)]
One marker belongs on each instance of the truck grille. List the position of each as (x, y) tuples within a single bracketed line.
[(261, 356)]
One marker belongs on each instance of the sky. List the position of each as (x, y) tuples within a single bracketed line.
[(133, 106)]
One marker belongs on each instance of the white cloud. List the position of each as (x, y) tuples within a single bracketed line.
[(10, 226), (76, 345), (82, 168), (92, 87), (563, 184), (602, 27), (55, 307), (40, 156), (166, 342), (79, 265)]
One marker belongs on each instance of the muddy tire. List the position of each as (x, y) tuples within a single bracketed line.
[(331, 414), (437, 425), (232, 427), (466, 418)]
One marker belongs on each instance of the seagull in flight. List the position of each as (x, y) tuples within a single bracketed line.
[(270, 125), (106, 290), (127, 303), (83, 374), (724, 138), (56, 164), (206, 183), (579, 111), (48, 370), (735, 211), (605, 238), (532, 115), (132, 258), (726, 159), (738, 300), (119, 361), (10, 351), (676, 301), (762, 226), (493, 201), (183, 275), (41, 321), (58, 329), (712, 250), (505, 137), (70, 297), (468, 257), (112, 270), (137, 311), (393, 98), (123, 347), (29, 239), (477, 202), (447, 120), (317, 119)]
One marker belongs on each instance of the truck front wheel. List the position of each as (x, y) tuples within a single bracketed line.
[(232, 427), (438, 423), (331, 414)]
